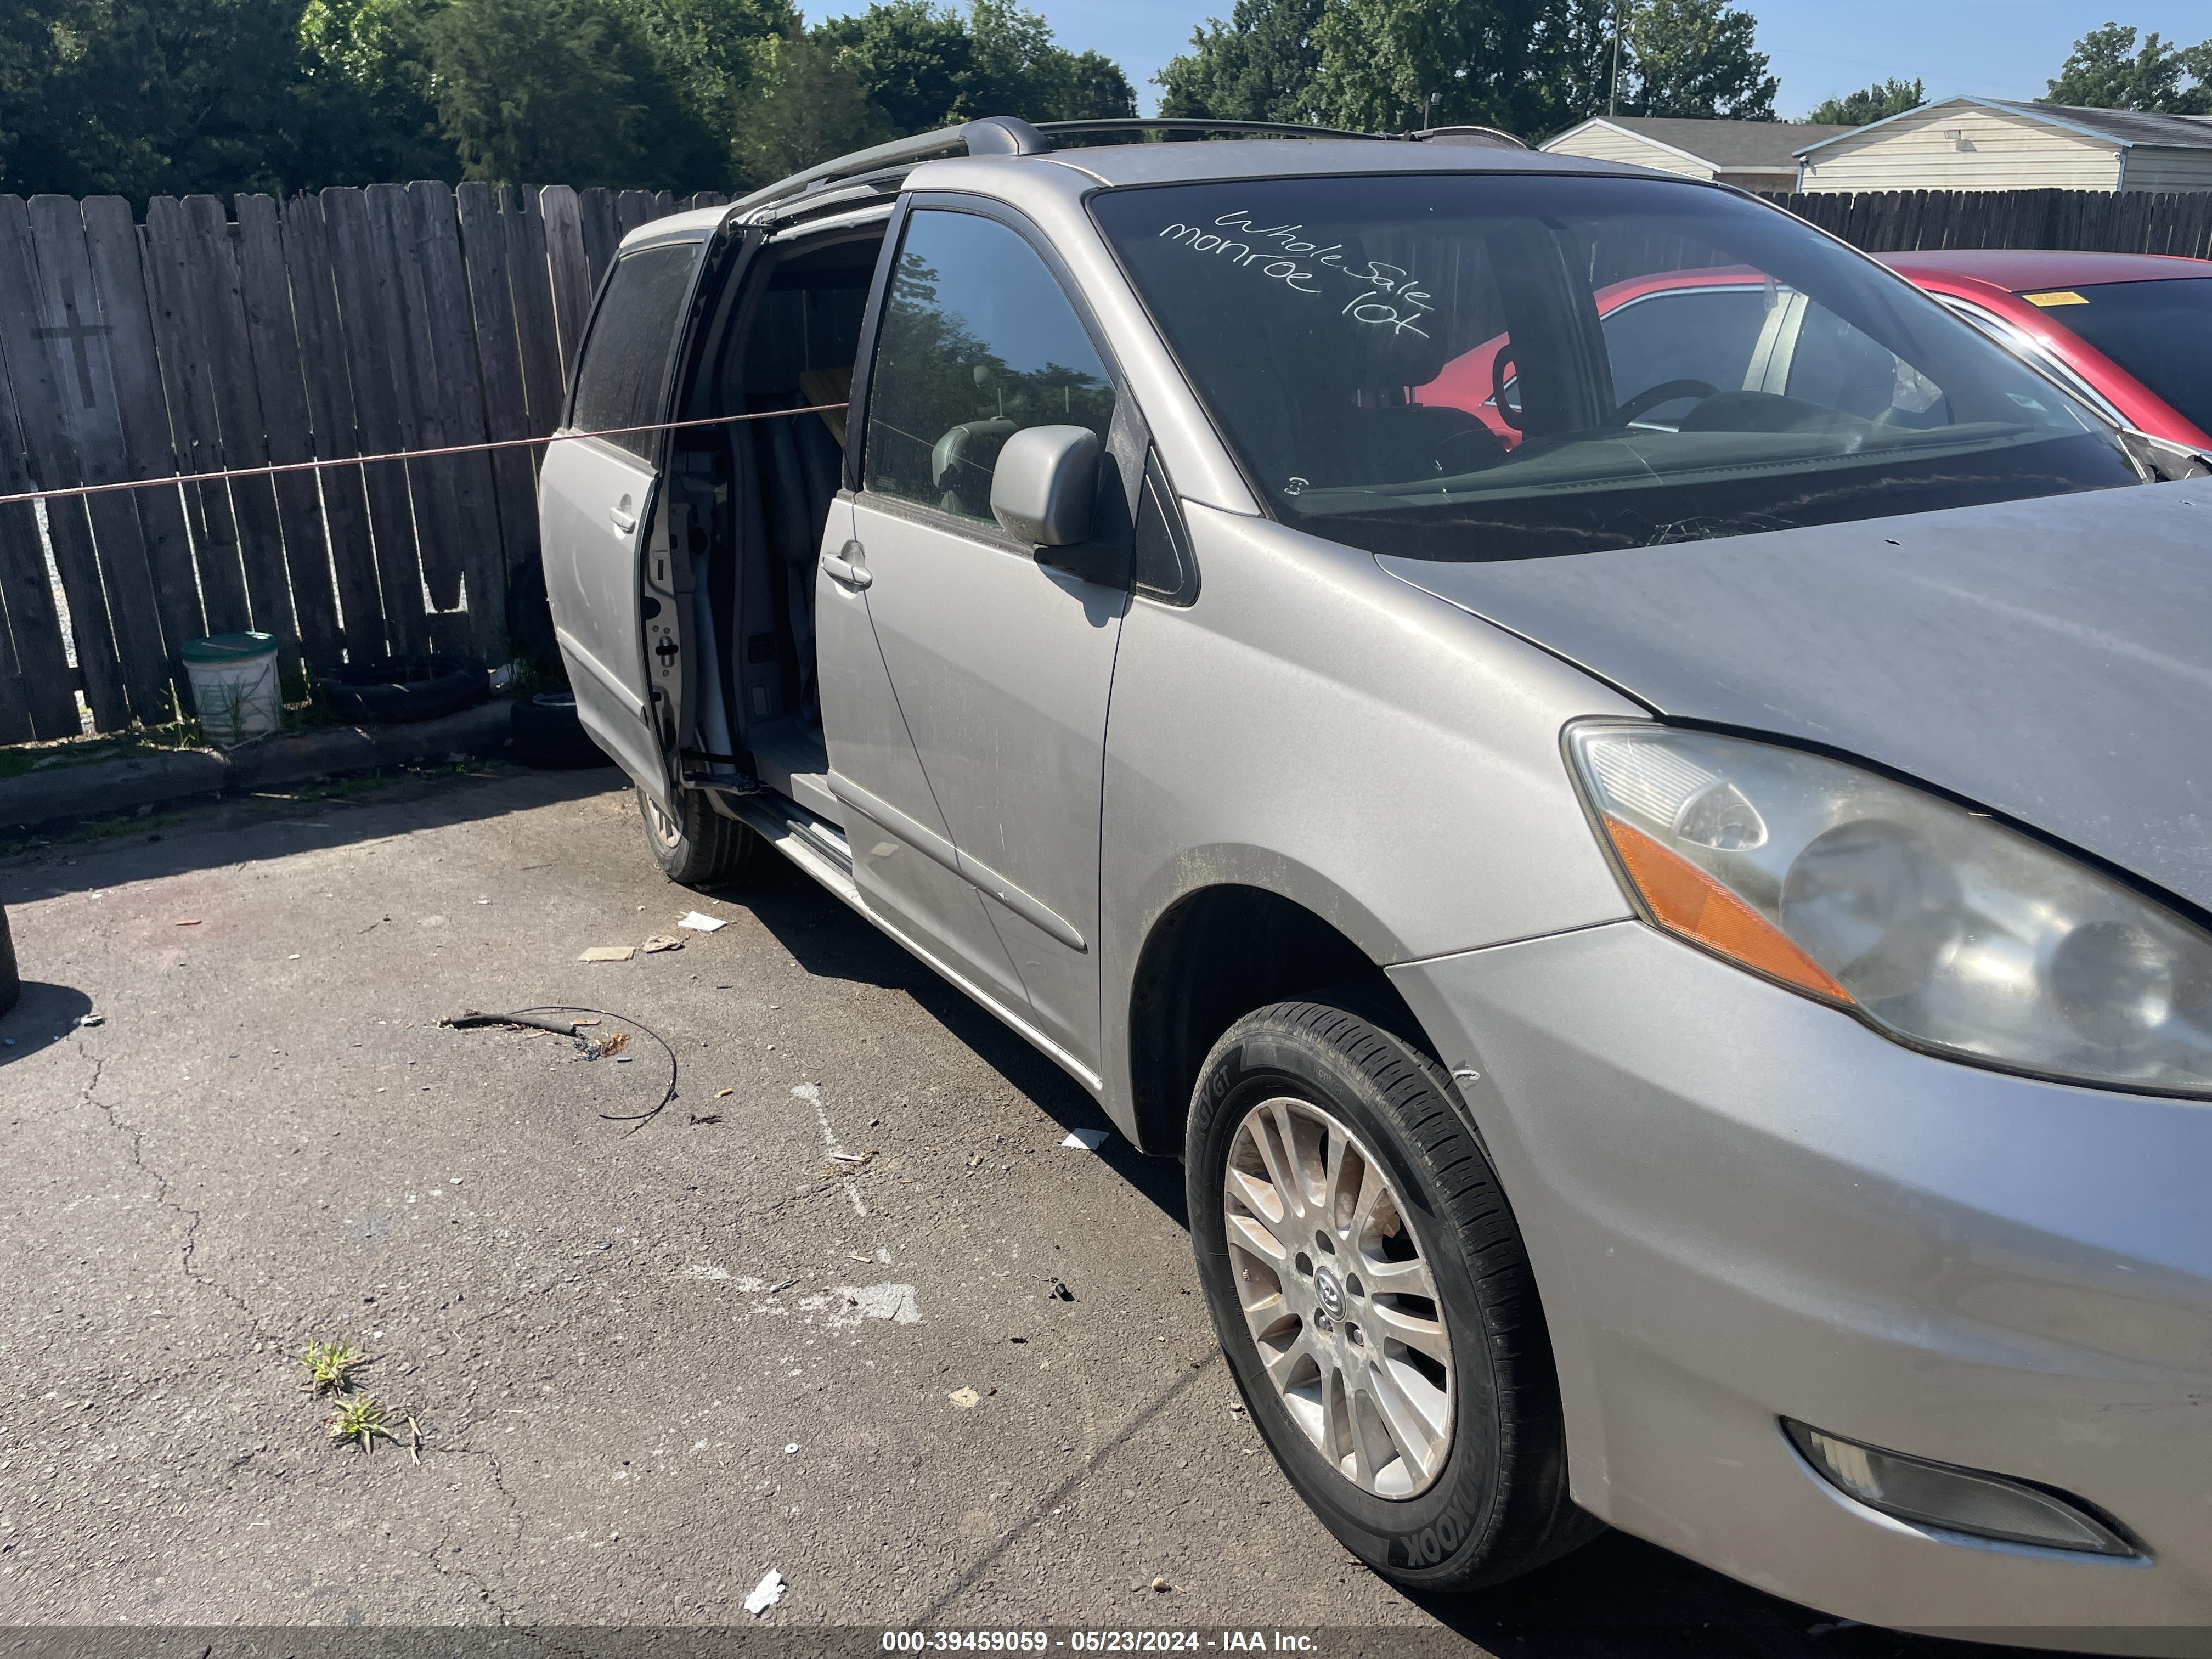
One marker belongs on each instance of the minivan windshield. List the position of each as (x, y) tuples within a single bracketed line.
[(1484, 366)]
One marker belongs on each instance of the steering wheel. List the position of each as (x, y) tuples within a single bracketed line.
[(1665, 392), (1497, 367)]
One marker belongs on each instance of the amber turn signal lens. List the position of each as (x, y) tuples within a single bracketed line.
[(1684, 899)]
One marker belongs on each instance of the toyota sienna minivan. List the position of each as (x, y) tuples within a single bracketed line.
[(1656, 878)]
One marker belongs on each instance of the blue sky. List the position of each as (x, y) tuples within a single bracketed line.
[(1997, 48)]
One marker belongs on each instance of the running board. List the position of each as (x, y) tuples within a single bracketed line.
[(821, 850), (816, 847)]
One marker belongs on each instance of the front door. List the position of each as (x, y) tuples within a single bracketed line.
[(596, 501), (1000, 667)]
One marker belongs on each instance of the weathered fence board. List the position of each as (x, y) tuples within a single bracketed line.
[(499, 358), (38, 372), (91, 434), (180, 340), (111, 238), (450, 333), (265, 289), (570, 269), (371, 321), (330, 423)]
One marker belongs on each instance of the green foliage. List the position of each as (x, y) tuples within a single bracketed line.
[(330, 1366), (360, 1420), (1875, 103), (2107, 70), (144, 97), (1697, 59), (1530, 66), (1392, 65), (1263, 64), (808, 107), (141, 97), (923, 66)]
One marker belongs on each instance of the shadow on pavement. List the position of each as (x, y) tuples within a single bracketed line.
[(828, 940), (1622, 1598), (206, 835), (45, 1015)]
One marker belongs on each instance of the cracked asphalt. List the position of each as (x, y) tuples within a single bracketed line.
[(650, 1357)]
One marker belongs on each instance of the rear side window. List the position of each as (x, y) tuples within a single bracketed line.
[(2161, 332), (623, 380), (978, 343)]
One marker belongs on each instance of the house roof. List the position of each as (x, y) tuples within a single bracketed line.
[(2124, 127), (1725, 146)]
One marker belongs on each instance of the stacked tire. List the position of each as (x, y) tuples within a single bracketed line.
[(546, 732)]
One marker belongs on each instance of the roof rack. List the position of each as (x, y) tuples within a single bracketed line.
[(1009, 134)]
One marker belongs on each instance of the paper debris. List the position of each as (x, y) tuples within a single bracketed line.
[(966, 1398), (1088, 1140), (723, 1094), (608, 953), (699, 924), (661, 942), (766, 1593), (188, 922)]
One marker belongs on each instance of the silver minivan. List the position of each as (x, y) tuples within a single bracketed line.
[(1632, 797)]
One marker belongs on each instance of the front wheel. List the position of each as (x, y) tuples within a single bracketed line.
[(1369, 1289), (694, 844)]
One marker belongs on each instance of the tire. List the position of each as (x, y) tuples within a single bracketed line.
[(394, 690), (1484, 1498), (546, 732), (11, 983), (699, 848)]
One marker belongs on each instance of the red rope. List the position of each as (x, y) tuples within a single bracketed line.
[(173, 479)]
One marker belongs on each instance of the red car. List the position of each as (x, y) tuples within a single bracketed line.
[(2130, 332)]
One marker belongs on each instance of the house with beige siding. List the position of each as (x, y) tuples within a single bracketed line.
[(1990, 144), (1750, 154)]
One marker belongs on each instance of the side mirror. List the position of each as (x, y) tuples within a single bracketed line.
[(1045, 485)]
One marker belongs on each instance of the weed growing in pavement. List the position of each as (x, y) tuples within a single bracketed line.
[(331, 1366), (359, 1421)]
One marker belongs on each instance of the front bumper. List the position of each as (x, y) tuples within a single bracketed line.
[(1742, 1206)]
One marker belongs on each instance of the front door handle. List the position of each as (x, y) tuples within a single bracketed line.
[(844, 566), (623, 518)]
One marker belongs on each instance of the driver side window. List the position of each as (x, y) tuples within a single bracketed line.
[(978, 342)]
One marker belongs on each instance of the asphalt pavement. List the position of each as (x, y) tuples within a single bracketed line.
[(845, 1307)]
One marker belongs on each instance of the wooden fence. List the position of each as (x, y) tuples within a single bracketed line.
[(347, 323), (1889, 222), (357, 322)]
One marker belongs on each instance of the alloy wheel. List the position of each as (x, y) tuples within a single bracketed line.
[(1337, 1297)]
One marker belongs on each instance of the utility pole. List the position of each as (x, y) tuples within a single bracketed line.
[(1613, 98)]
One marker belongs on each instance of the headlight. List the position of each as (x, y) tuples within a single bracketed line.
[(1939, 927)]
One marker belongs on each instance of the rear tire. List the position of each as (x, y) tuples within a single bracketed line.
[(698, 847), (1437, 1456)]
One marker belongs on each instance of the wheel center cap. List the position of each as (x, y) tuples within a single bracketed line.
[(1330, 1293)]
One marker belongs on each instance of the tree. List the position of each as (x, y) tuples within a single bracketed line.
[(1697, 59), (145, 97), (368, 74), (912, 59), (544, 91), (923, 66), (2107, 70), (1875, 103), (806, 107), (1394, 65), (1261, 65)]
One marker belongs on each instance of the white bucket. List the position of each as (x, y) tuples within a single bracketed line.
[(234, 680)]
